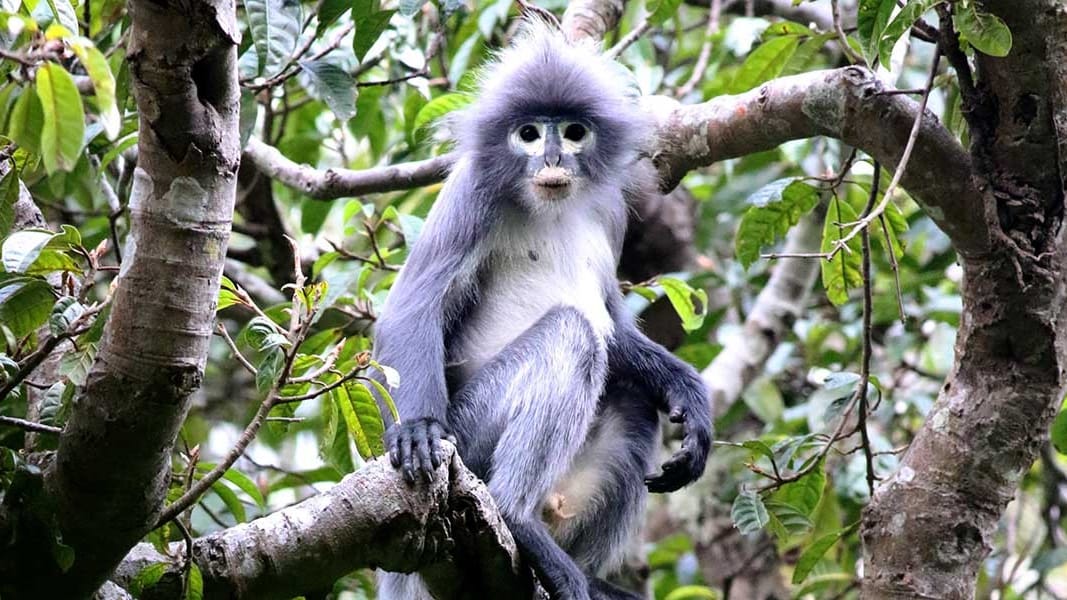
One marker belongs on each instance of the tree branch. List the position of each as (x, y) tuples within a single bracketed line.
[(448, 530), (847, 104), (110, 473), (338, 183)]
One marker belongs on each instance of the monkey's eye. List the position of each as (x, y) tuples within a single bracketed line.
[(529, 133), (574, 132)]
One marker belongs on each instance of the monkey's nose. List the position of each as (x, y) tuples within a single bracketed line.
[(553, 159)]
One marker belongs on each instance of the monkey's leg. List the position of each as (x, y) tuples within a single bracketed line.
[(621, 449), (521, 420)]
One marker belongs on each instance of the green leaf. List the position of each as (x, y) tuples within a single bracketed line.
[(65, 311), (691, 304), (268, 369), (369, 28), (764, 63), (194, 588), (901, 24), (227, 294), (275, 27), (363, 418), (240, 480), (437, 108), (120, 146), (329, 12), (693, 592), (9, 195), (64, 119), (1058, 432), (776, 207), (230, 499), (842, 272), (148, 577), (27, 121), (813, 553), (985, 31), (63, 12), (22, 248), (333, 85), (787, 523), (661, 10), (803, 494), (873, 16), (103, 84), (748, 513)]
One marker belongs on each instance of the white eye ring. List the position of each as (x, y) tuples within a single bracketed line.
[(529, 138), (574, 136)]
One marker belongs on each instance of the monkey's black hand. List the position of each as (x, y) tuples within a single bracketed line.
[(687, 464), (415, 446)]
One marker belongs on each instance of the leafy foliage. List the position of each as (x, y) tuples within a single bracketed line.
[(357, 85)]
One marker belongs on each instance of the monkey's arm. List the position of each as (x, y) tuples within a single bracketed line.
[(676, 388), (410, 333)]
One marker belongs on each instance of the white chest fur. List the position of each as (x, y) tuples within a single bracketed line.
[(533, 267)]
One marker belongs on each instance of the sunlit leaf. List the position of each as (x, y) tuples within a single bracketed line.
[(275, 27), (842, 273), (985, 31), (773, 210), (690, 303), (764, 63), (64, 119), (103, 84)]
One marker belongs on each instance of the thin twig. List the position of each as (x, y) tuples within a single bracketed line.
[(634, 35), (865, 364), (220, 329), (353, 374), (863, 223), (705, 50), (30, 425), (846, 48), (894, 266)]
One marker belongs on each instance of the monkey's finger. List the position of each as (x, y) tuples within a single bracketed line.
[(422, 446), (677, 415), (407, 466), (436, 433)]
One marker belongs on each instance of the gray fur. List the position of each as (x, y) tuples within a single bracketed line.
[(507, 326)]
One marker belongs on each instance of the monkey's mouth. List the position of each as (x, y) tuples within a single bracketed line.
[(552, 181)]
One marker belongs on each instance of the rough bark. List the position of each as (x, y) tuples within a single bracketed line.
[(110, 473), (931, 524), (449, 530), (339, 183), (847, 104)]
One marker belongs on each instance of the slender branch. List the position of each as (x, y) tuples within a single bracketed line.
[(338, 183), (192, 495), (902, 166), (868, 308), (30, 425), (846, 48), (705, 50), (221, 330), (631, 37)]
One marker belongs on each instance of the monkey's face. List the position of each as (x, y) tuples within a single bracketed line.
[(552, 149)]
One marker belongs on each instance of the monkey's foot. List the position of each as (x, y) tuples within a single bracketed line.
[(554, 511)]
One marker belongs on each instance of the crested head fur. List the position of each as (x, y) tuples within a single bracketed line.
[(541, 74)]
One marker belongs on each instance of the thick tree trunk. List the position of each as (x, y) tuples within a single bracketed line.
[(111, 471), (931, 524)]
